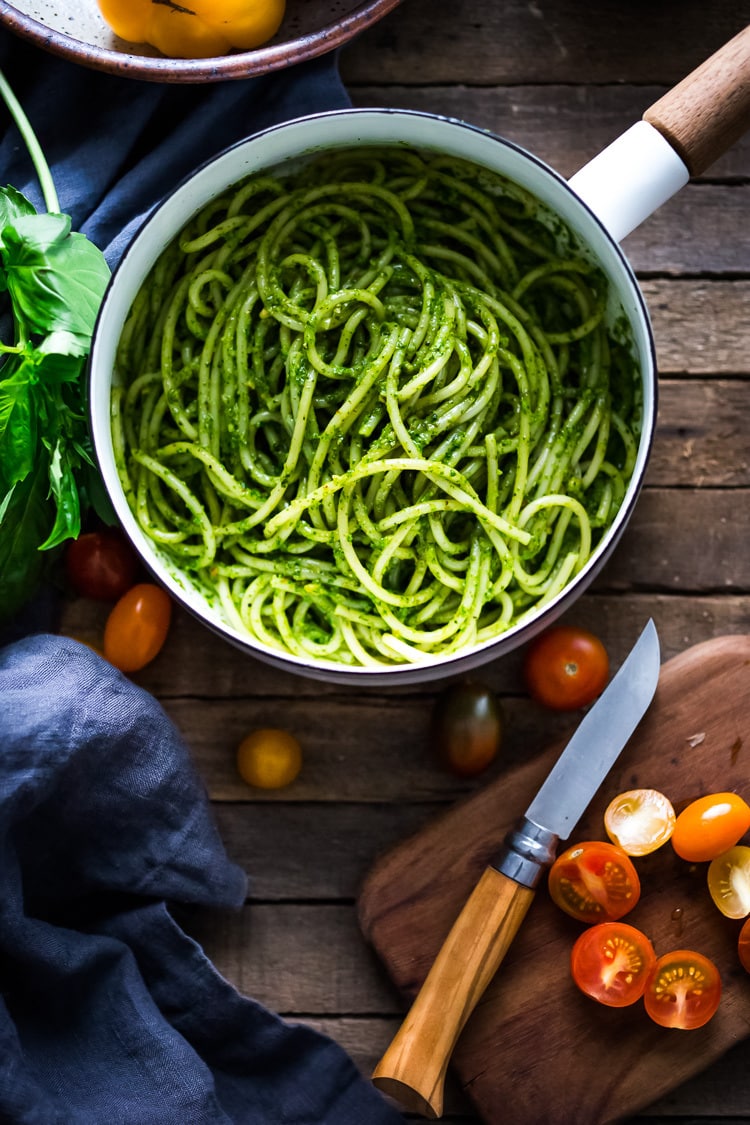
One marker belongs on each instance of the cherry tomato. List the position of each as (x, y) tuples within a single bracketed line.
[(594, 882), (743, 946), (137, 627), (101, 564), (729, 882), (611, 962), (566, 668), (709, 826), (639, 821), (683, 990), (269, 758), (466, 728)]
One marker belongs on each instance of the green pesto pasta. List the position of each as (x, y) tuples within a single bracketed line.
[(372, 408)]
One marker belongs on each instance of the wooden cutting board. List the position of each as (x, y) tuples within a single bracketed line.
[(536, 1049)]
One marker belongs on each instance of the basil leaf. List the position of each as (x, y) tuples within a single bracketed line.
[(18, 427), (56, 279), (65, 494), (62, 342), (24, 524), (13, 206)]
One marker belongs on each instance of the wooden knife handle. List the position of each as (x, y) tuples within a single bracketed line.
[(413, 1068), (704, 115)]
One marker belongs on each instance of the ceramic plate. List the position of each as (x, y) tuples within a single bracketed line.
[(76, 30)]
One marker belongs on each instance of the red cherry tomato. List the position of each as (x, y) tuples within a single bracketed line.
[(137, 627), (594, 882), (743, 946), (101, 564), (566, 668), (683, 990), (611, 962), (709, 826)]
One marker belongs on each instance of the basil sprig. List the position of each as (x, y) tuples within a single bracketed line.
[(52, 281)]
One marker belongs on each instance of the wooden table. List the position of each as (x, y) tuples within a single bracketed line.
[(562, 78)]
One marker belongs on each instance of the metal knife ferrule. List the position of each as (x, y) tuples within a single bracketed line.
[(528, 851)]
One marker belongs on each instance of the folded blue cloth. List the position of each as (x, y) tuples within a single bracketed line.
[(109, 1013)]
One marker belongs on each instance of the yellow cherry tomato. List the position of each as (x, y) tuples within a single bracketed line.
[(269, 758), (639, 821), (729, 882), (203, 29)]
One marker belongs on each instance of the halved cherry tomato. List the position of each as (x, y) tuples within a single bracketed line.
[(594, 882), (639, 821), (743, 946), (729, 882), (137, 627), (566, 668), (611, 962), (269, 758), (709, 826), (683, 990), (466, 728), (101, 564)]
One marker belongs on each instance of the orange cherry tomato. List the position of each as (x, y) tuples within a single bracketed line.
[(137, 627), (269, 758), (683, 990), (743, 946), (639, 821), (709, 826), (566, 668), (729, 882), (594, 882), (466, 728), (611, 962)]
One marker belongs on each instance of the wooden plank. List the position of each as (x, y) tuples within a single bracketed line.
[(320, 851), (297, 958), (516, 42), (702, 229), (701, 439), (683, 541), (563, 125), (700, 327), (216, 692), (377, 748)]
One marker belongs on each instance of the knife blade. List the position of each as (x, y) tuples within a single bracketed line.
[(414, 1066)]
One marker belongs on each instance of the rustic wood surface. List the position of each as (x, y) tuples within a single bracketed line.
[(561, 78)]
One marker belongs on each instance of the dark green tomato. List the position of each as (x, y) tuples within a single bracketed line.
[(466, 728)]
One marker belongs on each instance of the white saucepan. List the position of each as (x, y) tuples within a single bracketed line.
[(679, 136)]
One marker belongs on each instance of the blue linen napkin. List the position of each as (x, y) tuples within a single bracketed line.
[(110, 1014)]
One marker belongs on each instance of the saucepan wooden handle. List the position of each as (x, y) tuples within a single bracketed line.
[(704, 115), (413, 1068)]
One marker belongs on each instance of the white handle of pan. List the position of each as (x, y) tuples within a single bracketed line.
[(680, 136), (630, 179)]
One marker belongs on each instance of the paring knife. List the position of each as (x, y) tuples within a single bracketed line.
[(413, 1068)]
